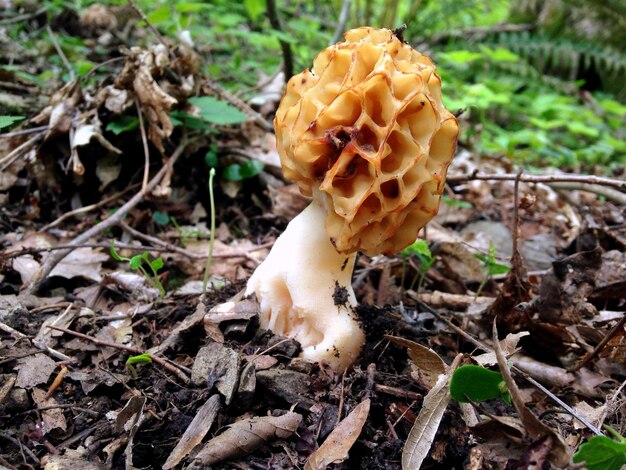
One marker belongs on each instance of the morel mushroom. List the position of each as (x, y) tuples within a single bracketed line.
[(365, 133)]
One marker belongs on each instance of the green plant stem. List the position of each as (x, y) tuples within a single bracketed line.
[(482, 285), (207, 267), (614, 433)]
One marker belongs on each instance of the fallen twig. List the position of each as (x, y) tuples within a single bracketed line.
[(85, 209), (98, 342), (272, 14), (517, 370), (341, 24), (602, 344), (54, 258), (609, 193), (146, 150), (239, 104), (143, 16), (563, 177), (57, 46), (17, 152)]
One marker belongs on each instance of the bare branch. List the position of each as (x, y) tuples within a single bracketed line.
[(54, 258), (562, 177)]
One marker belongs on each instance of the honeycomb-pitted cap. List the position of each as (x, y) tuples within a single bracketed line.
[(366, 131)]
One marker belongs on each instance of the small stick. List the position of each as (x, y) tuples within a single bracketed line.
[(23, 448), (130, 349), (517, 370), (126, 246), (58, 380), (54, 258), (58, 406), (272, 14), (146, 150), (85, 209), (397, 392), (564, 177), (57, 46), (150, 25), (32, 130), (7, 160), (239, 104), (341, 24), (598, 349), (12, 331)]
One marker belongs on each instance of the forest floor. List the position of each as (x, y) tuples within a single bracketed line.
[(98, 369)]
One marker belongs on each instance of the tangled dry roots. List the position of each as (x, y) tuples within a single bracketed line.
[(367, 131)]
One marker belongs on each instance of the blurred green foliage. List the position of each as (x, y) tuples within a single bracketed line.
[(524, 93)]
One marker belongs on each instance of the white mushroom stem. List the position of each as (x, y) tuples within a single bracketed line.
[(300, 286)]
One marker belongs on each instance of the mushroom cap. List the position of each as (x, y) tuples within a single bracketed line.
[(366, 131)]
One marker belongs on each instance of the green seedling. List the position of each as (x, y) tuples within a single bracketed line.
[(420, 250), (472, 383), (132, 361), (602, 452), (491, 266), (8, 121), (137, 263), (123, 124), (456, 203), (207, 267), (160, 218)]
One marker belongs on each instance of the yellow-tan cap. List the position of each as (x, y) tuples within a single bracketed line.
[(366, 131)]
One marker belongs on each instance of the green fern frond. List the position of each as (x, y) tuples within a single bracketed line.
[(558, 54)]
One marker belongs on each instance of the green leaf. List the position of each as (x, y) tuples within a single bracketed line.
[(500, 54), (476, 383), (461, 57), (211, 157), (192, 7), (242, 171), (114, 253), (136, 260), (254, 8), (82, 67), (139, 359), (613, 106), (189, 121), (419, 247), (456, 203), (582, 129), (217, 111), (123, 124), (159, 15), (602, 453), (6, 121), (156, 264), (160, 218)]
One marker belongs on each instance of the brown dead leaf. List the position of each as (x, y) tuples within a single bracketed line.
[(195, 432), (559, 452), (228, 311), (508, 345), (63, 462), (339, 442), (130, 415), (82, 262), (155, 103), (52, 418), (218, 365), (422, 434), (594, 415), (34, 370), (428, 363), (134, 284), (246, 435)]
